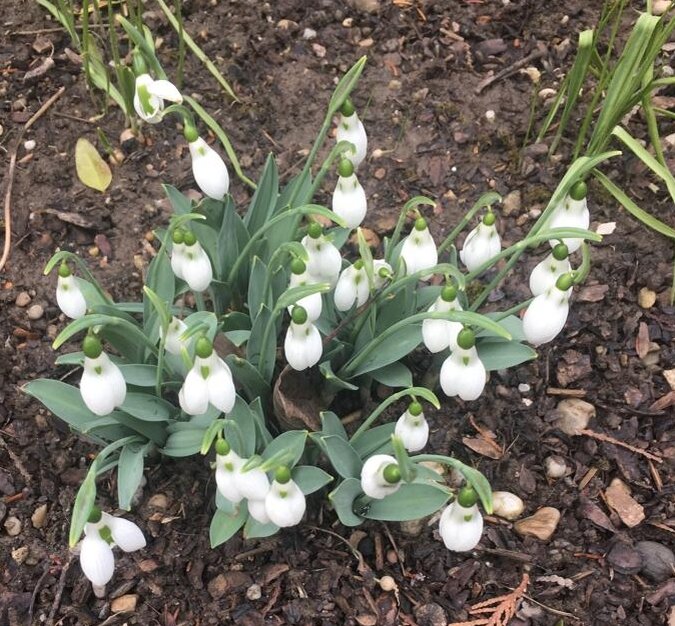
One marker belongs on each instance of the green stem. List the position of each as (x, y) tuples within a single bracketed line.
[(337, 150), (484, 201), (181, 42), (408, 206)]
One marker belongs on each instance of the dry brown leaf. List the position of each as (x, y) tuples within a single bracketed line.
[(483, 447), (664, 402), (628, 509)]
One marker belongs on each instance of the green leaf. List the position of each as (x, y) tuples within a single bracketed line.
[(331, 425), (84, 501), (183, 442), (412, 501), (327, 372), (131, 331), (139, 375), (180, 203), (92, 170), (129, 473), (258, 288), (345, 86), (238, 337), (248, 377), (476, 480), (148, 408), (375, 440), (139, 40), (499, 355), (255, 530), (340, 453), (342, 498), (265, 197), (243, 437), (393, 375), (310, 479), (224, 526), (292, 442), (158, 294)]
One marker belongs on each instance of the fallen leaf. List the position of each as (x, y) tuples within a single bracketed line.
[(642, 341), (669, 375), (483, 447), (592, 512), (664, 402), (627, 508), (71, 218), (92, 170)]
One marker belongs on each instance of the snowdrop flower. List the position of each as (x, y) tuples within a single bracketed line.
[(382, 272), (102, 533), (69, 296), (258, 511), (189, 261), (572, 212), (351, 129), (352, 287), (349, 198), (463, 373), (208, 167), (150, 95), (303, 347), (299, 277), (252, 483), (285, 503), (419, 249), (228, 464), (102, 385), (173, 343), (481, 244), (413, 428), (546, 273), (380, 476), (324, 260), (208, 382), (178, 252), (547, 313), (442, 334), (461, 524)]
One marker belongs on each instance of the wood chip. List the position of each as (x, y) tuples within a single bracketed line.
[(627, 508), (669, 375), (642, 341), (541, 525)]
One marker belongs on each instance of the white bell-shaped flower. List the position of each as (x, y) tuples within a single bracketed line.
[(572, 212), (442, 334), (463, 373), (208, 382), (380, 476), (102, 533), (228, 464), (196, 265), (69, 296), (382, 272), (178, 248), (350, 128), (285, 503), (258, 511), (299, 277), (303, 346), (324, 261), (547, 313), (208, 167), (419, 249), (349, 197), (546, 273), (102, 385), (174, 342), (481, 244), (461, 524), (252, 483), (352, 287), (412, 428), (149, 97)]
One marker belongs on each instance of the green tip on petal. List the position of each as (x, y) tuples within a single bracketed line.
[(345, 168), (560, 252), (565, 281), (64, 270), (466, 339), (415, 408), (91, 346), (420, 223), (282, 475), (299, 315), (489, 218), (449, 293), (298, 266), (392, 474), (95, 515), (204, 348), (315, 230), (467, 497), (178, 236), (347, 108), (579, 190), (222, 447), (189, 239)]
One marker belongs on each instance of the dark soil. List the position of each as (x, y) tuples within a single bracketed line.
[(418, 103)]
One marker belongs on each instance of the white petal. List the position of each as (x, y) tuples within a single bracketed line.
[(545, 274), (69, 297), (378, 280), (125, 533), (258, 511), (197, 270), (345, 290), (481, 244), (419, 251), (545, 317), (95, 386), (166, 90), (222, 393), (227, 467), (362, 288), (97, 560), (194, 394), (209, 170), (463, 375), (253, 484), (285, 504), (349, 201), (174, 343), (373, 483), (458, 533), (324, 260), (413, 431), (351, 129), (178, 259), (569, 214), (294, 348), (313, 345), (435, 335)]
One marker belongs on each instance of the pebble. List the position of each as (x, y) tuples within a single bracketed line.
[(646, 298), (29, 145), (159, 501), (507, 505), (124, 604), (39, 516), (35, 312), (20, 554), (13, 526), (23, 299), (430, 614), (490, 115), (658, 561), (387, 583), (254, 592), (628, 509), (541, 525), (512, 203), (523, 387), (319, 50), (367, 6), (555, 466), (624, 558), (573, 415), (309, 33)]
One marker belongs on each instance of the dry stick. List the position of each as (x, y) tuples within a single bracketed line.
[(59, 589), (607, 439), (507, 71), (10, 174)]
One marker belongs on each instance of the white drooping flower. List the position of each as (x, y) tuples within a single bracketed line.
[(412, 428), (380, 476), (150, 95), (208, 169), (323, 258), (299, 277), (547, 313), (253, 484), (442, 334), (209, 381), (174, 342), (461, 527), (419, 249), (349, 197), (352, 287), (258, 510), (190, 262), (546, 273), (69, 296), (302, 346), (102, 533), (102, 385), (481, 244), (382, 272), (228, 464), (285, 503), (350, 128), (572, 212), (463, 373)]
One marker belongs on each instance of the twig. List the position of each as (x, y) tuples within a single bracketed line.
[(512, 69), (33, 597), (550, 609), (10, 174), (59, 589), (399, 555), (616, 442), (28, 479)]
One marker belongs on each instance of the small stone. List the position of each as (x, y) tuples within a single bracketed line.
[(555, 466), (159, 501), (573, 415), (380, 173), (507, 505), (254, 592), (20, 554), (658, 561), (366, 43), (286, 24), (646, 298), (35, 312), (319, 50), (39, 516), (523, 387), (348, 22), (13, 526), (547, 93), (29, 145), (228, 582), (541, 525), (392, 557), (669, 375), (309, 33), (23, 299), (430, 614), (366, 620), (628, 509), (148, 565), (624, 559), (512, 203), (124, 604), (387, 583), (490, 116)]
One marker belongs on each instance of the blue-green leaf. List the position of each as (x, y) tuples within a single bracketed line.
[(393, 375), (265, 197), (412, 501), (129, 473), (224, 526), (84, 501), (342, 498), (310, 479), (340, 453)]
